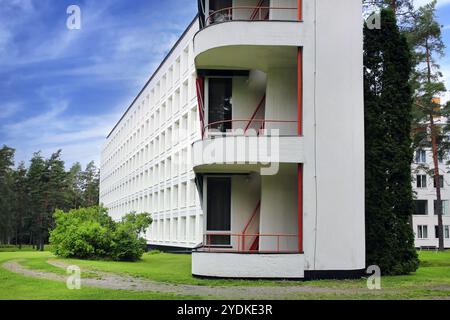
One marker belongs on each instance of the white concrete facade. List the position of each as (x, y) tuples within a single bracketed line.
[(140, 162), (425, 220), (216, 265), (146, 159)]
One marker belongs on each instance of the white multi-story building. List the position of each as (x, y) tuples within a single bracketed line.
[(425, 220), (247, 144), (145, 160)]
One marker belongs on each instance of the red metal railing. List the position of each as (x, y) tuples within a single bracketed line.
[(260, 112), (253, 242), (201, 105), (258, 13), (214, 129), (275, 243)]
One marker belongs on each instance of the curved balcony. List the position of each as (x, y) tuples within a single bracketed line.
[(249, 37), (246, 148)]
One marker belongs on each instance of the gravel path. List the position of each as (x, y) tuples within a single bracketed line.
[(123, 282)]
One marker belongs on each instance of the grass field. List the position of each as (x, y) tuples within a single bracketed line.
[(432, 280)]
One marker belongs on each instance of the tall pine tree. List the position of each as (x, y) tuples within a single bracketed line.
[(389, 153), (37, 179), (6, 194), (21, 203), (431, 122)]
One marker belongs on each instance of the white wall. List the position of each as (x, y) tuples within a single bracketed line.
[(284, 14), (243, 14), (281, 101), (247, 94), (245, 195), (231, 265), (339, 145), (279, 213)]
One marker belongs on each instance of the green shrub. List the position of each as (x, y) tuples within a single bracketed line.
[(128, 245), (90, 233)]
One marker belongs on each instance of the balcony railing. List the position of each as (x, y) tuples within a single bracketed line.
[(248, 13), (238, 243), (250, 127)]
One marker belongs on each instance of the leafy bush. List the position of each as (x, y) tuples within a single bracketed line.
[(90, 233)]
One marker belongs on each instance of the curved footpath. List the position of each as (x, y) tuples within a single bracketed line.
[(106, 280)]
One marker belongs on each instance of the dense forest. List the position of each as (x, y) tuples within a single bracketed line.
[(29, 195)]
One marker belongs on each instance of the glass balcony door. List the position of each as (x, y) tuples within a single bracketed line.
[(218, 219), (220, 104)]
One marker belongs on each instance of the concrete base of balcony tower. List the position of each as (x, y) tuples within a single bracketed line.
[(248, 266)]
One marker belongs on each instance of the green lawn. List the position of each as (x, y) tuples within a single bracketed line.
[(432, 280), (17, 287)]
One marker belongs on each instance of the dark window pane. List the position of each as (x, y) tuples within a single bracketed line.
[(421, 207), (220, 105), (421, 181), (220, 4), (218, 240), (219, 204)]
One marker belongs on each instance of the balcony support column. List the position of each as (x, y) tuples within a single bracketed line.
[(300, 10), (300, 133)]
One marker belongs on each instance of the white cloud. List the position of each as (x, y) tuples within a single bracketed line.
[(105, 49), (446, 72), (80, 137), (8, 110)]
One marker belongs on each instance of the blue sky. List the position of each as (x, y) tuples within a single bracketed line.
[(65, 89)]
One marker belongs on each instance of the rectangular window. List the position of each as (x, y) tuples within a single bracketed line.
[(219, 209), (446, 232), (421, 181), (445, 207), (217, 13), (421, 207), (220, 103), (441, 181), (422, 232), (421, 156)]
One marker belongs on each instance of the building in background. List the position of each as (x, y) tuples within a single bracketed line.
[(425, 220), (247, 144)]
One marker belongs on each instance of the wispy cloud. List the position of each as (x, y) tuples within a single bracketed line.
[(65, 89), (8, 110), (80, 137)]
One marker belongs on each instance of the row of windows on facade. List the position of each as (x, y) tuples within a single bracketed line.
[(422, 181), (422, 232), (178, 97), (421, 207), (172, 198), (145, 121), (421, 157), (165, 170), (176, 229), (167, 137)]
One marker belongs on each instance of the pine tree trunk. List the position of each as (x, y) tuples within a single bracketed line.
[(437, 182), (394, 6), (436, 163)]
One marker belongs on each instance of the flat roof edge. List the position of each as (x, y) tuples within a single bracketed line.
[(154, 74)]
